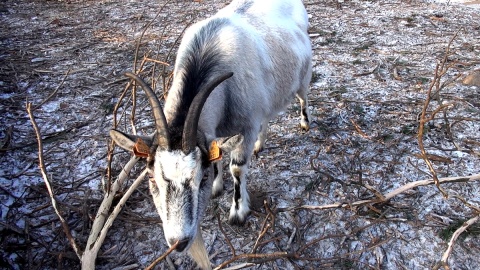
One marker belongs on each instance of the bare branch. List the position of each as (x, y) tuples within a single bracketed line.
[(54, 92), (43, 170), (446, 254), (388, 196), (100, 227)]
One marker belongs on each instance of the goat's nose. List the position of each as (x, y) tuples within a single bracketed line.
[(182, 244)]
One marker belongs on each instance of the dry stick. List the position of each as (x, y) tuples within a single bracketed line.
[(154, 82), (43, 170), (421, 127), (455, 235), (134, 100), (265, 226), (143, 33), (111, 146), (264, 257), (388, 196), (471, 206), (119, 206), (359, 130), (119, 103), (137, 48), (263, 231), (156, 61), (468, 223), (440, 70), (161, 73), (225, 235), (240, 266), (99, 229), (54, 92), (159, 259), (165, 89)]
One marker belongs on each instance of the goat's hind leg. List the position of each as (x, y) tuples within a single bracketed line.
[(262, 136), (305, 112)]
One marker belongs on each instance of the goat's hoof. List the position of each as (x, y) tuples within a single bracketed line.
[(305, 127), (237, 220), (305, 124), (216, 193), (217, 188), (256, 151), (258, 148)]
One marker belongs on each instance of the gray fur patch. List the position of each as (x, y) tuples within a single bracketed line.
[(244, 7)]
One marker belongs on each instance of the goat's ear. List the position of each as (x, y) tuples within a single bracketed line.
[(227, 144), (127, 141)]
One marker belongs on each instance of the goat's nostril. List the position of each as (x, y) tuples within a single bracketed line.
[(182, 244)]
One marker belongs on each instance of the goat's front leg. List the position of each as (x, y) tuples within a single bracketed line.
[(241, 202)]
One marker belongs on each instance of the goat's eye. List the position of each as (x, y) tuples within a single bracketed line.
[(165, 178)]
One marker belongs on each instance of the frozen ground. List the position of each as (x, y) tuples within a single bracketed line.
[(373, 63)]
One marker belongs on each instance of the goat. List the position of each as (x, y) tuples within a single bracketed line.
[(233, 73)]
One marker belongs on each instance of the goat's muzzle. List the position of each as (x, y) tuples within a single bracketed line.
[(182, 244)]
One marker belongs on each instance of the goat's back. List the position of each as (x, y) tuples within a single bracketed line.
[(265, 44)]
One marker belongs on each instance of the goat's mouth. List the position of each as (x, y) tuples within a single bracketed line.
[(182, 244)]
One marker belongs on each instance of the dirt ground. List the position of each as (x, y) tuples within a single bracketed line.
[(374, 62)]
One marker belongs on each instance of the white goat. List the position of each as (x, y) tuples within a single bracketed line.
[(264, 44)]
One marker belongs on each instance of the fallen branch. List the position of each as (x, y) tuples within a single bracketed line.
[(54, 92), (444, 261), (225, 235), (388, 196), (100, 226), (263, 257), (440, 70), (43, 170)]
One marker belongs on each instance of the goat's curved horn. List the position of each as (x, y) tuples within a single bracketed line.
[(163, 138), (189, 136)]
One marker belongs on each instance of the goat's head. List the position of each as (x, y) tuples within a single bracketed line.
[(178, 186)]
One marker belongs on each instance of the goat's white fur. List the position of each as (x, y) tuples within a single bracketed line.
[(266, 46)]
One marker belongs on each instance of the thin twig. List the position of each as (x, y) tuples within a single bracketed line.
[(225, 235), (43, 170), (263, 257), (440, 70), (137, 48), (164, 255), (54, 92)]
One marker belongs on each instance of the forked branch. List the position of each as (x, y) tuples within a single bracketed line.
[(440, 70)]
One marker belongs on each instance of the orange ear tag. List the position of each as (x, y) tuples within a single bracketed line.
[(141, 149), (215, 153)]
